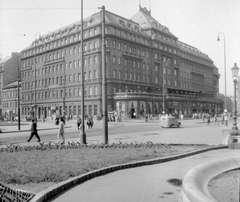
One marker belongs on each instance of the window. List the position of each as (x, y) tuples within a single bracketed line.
[(119, 46), (95, 44), (95, 74), (95, 59), (114, 59), (90, 91), (79, 92), (119, 74), (126, 62), (114, 73), (119, 60), (114, 45), (95, 90), (90, 60), (74, 64)]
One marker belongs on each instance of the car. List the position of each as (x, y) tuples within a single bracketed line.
[(28, 118), (169, 121)]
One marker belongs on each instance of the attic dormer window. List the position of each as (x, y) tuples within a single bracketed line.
[(129, 25), (121, 23)]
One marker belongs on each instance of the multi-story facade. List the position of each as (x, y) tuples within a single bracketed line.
[(10, 100), (8, 72), (148, 70)]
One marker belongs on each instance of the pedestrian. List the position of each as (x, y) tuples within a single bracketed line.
[(57, 121), (89, 122), (203, 117), (223, 119), (61, 130), (226, 119), (208, 119), (79, 121), (181, 116), (34, 131), (215, 117)]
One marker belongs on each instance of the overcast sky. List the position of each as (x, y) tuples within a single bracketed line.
[(195, 22)]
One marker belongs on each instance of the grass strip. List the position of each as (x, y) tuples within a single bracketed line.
[(58, 164)]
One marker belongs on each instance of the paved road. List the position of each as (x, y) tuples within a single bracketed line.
[(191, 132)]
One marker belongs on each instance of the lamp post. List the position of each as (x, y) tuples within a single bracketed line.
[(35, 96), (235, 70), (82, 134), (225, 98)]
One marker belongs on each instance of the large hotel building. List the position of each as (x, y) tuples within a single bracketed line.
[(148, 70)]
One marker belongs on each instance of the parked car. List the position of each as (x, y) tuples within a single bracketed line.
[(169, 121), (28, 118)]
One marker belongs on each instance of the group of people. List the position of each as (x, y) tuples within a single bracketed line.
[(60, 121)]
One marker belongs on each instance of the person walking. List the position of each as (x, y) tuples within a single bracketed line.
[(79, 121), (34, 131), (215, 117), (61, 130), (226, 119), (208, 119)]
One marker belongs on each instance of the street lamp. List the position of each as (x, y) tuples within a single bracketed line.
[(225, 98), (35, 96), (235, 70)]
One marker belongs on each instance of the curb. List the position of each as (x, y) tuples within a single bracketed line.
[(195, 182), (63, 186)]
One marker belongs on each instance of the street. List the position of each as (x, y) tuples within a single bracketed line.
[(192, 131)]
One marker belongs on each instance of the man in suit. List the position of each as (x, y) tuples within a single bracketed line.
[(34, 130)]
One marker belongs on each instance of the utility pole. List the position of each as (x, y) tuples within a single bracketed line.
[(82, 134), (104, 81), (163, 88)]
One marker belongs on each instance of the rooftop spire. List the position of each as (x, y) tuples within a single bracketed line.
[(144, 10)]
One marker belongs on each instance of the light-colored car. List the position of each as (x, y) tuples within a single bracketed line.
[(169, 121)]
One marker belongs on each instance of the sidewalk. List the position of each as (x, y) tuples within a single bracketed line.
[(140, 184)]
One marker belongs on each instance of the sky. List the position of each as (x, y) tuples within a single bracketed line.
[(195, 22)]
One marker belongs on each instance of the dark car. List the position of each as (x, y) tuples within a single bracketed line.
[(28, 118)]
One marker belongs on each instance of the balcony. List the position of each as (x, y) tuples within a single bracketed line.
[(157, 61), (134, 55), (58, 60), (91, 51)]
